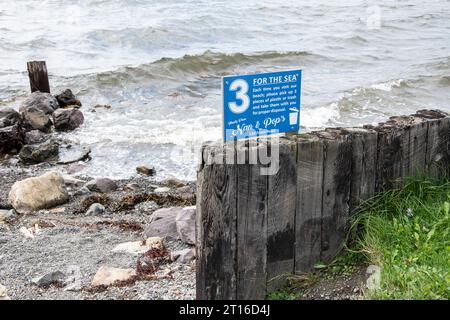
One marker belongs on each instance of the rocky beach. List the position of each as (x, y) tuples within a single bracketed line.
[(64, 235)]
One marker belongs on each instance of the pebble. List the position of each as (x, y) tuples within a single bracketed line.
[(139, 247), (146, 170), (47, 279), (95, 209), (107, 276), (162, 190), (131, 187), (7, 214), (3, 293)]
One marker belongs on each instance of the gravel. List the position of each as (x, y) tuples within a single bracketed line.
[(68, 241)]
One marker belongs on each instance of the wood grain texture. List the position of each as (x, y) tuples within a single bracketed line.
[(282, 188), (216, 264), (308, 225), (390, 149), (336, 192), (251, 227), (364, 159), (438, 145), (37, 73)]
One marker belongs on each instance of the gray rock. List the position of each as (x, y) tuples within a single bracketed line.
[(173, 183), (95, 209), (5, 215), (185, 222), (35, 118), (67, 119), (163, 224), (81, 192), (54, 277), (73, 182), (183, 256), (9, 117), (35, 136), (374, 277), (67, 98), (12, 139), (131, 187), (102, 106), (74, 154), (42, 101), (103, 185), (146, 170), (37, 153)]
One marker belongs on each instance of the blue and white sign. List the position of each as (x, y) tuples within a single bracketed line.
[(261, 104)]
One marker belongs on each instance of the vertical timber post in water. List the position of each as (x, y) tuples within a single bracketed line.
[(253, 229), (37, 72)]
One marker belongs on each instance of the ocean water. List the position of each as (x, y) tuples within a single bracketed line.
[(159, 65)]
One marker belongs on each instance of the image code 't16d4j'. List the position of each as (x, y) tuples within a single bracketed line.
[(261, 104)]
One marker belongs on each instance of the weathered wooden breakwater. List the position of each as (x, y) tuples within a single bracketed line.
[(253, 230)]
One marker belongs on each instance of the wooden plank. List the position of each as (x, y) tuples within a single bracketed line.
[(417, 147), (282, 188), (308, 224), (37, 72), (390, 150), (216, 264), (336, 192), (438, 145), (251, 228), (364, 159)]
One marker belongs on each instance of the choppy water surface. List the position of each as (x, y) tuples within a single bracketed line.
[(159, 63)]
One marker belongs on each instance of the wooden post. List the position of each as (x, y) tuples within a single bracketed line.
[(308, 224), (438, 142), (282, 203), (336, 191), (251, 224), (37, 72), (364, 159), (216, 226)]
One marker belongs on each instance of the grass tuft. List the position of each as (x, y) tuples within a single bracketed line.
[(406, 233)]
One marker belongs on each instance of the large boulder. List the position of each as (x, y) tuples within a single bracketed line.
[(102, 185), (42, 101), (67, 98), (67, 119), (37, 193), (185, 222), (35, 118), (37, 153), (163, 224)]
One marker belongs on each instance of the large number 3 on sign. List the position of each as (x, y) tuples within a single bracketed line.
[(241, 88)]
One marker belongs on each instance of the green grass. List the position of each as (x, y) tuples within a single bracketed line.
[(406, 233)]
